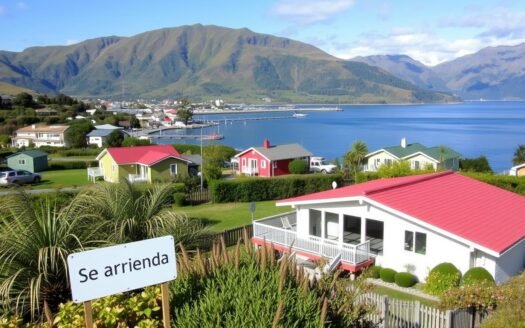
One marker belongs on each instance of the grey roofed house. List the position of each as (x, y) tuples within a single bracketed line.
[(99, 133), (29, 160), (268, 160), (279, 152), (107, 127)]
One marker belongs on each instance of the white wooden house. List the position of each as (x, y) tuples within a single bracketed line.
[(408, 224)]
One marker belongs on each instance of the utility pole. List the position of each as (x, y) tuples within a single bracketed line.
[(202, 163)]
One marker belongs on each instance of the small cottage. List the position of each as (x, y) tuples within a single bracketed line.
[(29, 160)]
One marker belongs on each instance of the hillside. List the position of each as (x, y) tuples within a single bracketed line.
[(11, 90), (491, 73), (407, 69), (204, 62)]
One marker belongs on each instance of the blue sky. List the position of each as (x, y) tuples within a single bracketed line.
[(429, 31)]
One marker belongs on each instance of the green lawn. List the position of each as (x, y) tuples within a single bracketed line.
[(231, 215), (402, 296), (62, 178)]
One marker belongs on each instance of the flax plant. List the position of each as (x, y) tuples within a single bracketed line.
[(35, 240), (128, 214)]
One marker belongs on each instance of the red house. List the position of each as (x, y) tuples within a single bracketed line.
[(268, 161)]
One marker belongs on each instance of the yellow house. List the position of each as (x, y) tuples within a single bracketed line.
[(142, 164)]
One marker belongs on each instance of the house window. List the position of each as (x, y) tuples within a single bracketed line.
[(113, 167), (377, 162), (388, 162), (244, 162), (274, 164), (22, 161), (416, 165), (315, 223), (416, 242), (173, 169), (263, 164)]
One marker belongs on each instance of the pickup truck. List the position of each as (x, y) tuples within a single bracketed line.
[(318, 164)]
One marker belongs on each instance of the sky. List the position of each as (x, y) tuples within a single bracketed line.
[(429, 31)]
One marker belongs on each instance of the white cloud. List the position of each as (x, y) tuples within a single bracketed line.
[(71, 42), (310, 11), (22, 5), (426, 47), (3, 10)]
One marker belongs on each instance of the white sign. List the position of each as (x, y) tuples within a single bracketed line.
[(104, 271)]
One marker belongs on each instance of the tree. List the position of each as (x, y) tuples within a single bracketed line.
[(36, 239), (132, 141), (114, 139), (128, 214), (76, 133), (298, 166), (354, 158), (185, 115), (23, 99), (479, 164), (5, 140), (519, 155)]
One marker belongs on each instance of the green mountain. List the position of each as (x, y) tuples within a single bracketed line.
[(491, 73), (204, 62), (408, 69)]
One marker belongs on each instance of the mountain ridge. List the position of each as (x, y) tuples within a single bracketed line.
[(201, 62)]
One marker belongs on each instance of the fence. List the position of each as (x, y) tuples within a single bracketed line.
[(393, 313), (230, 236), (198, 196)]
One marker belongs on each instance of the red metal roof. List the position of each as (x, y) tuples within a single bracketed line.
[(481, 213), (146, 155)]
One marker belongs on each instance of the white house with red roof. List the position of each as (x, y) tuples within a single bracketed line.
[(269, 160), (408, 224), (142, 164)]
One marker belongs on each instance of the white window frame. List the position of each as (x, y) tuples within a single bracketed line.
[(263, 164), (174, 172), (413, 246)]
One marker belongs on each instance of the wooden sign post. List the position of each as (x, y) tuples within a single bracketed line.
[(105, 271)]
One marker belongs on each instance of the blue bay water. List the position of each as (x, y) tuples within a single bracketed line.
[(493, 129)]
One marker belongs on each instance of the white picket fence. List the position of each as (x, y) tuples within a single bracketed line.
[(393, 313)]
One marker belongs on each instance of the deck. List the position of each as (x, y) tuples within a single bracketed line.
[(282, 234)]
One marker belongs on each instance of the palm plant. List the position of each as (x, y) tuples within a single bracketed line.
[(128, 214), (35, 240), (354, 158), (519, 155)]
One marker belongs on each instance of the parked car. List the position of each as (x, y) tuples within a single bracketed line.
[(319, 164), (18, 177)]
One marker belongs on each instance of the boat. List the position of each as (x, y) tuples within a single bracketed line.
[(299, 115)]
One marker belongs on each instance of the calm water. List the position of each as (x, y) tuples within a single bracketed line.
[(493, 129)]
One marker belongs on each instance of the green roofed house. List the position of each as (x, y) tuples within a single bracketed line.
[(29, 160), (418, 155)]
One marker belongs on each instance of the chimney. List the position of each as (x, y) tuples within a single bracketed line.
[(403, 142), (266, 143)]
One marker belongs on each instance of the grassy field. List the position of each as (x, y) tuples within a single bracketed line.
[(62, 178), (402, 296), (231, 215)]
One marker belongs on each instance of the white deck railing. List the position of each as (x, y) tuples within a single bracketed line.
[(133, 178), (352, 254)]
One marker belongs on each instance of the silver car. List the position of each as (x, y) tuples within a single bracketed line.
[(18, 177)]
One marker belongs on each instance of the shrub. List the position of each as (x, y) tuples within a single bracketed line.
[(298, 166), (405, 279), (373, 271), (179, 187), (476, 275), (259, 189), (387, 274), (180, 199), (442, 277)]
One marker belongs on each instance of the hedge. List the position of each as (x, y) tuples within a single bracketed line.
[(388, 275), (260, 189), (70, 165), (405, 279), (476, 275)]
